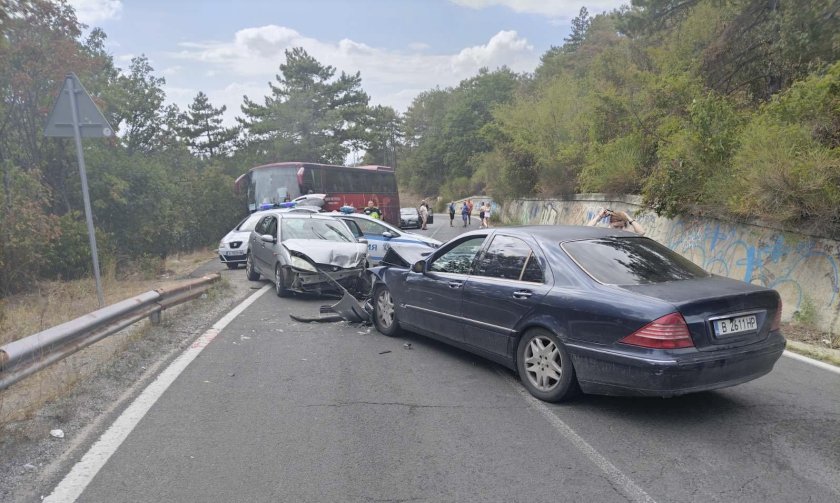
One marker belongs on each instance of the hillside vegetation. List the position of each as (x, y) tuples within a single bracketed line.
[(724, 107)]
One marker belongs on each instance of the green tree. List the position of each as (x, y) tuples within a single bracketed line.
[(310, 115), (580, 25), (139, 112), (384, 133), (202, 130)]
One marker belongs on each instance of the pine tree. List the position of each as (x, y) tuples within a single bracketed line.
[(580, 25), (202, 130)]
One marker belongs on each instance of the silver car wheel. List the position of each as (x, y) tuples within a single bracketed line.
[(542, 363), (385, 308)]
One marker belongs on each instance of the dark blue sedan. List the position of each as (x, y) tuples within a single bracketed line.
[(587, 309)]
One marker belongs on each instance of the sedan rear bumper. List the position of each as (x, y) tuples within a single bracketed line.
[(611, 372)]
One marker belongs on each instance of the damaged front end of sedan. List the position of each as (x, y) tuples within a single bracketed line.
[(355, 303), (351, 283), (308, 275)]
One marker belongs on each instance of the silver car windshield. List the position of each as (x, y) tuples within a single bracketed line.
[(306, 228)]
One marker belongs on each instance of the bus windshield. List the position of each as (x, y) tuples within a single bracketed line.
[(272, 186)]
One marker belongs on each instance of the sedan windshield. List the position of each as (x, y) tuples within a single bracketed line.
[(306, 228), (631, 261)]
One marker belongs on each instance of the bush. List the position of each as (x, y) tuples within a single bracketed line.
[(785, 176), (68, 256), (25, 227), (614, 167)]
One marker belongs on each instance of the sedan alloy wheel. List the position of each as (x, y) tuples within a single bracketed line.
[(384, 315), (545, 367)]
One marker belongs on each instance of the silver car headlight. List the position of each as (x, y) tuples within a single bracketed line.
[(299, 263), (221, 244)]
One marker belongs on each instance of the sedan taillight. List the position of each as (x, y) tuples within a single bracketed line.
[(667, 332)]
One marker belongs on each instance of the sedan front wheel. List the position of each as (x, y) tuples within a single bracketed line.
[(280, 282), (249, 269), (384, 315), (545, 368)]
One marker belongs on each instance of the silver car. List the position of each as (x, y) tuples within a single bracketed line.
[(233, 248), (299, 250)]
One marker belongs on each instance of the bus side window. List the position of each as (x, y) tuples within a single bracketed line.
[(332, 179), (348, 182), (317, 180)]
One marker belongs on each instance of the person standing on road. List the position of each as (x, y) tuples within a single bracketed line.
[(465, 213), (424, 214), (486, 220), (451, 213), (618, 220), (469, 210), (481, 216)]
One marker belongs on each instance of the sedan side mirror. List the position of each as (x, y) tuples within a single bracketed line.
[(362, 240), (387, 235), (419, 266), (268, 238)]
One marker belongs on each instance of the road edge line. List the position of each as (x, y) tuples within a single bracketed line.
[(76, 481), (620, 481), (815, 363)]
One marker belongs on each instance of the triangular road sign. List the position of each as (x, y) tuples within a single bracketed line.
[(92, 123)]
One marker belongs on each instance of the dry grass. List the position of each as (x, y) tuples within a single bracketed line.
[(54, 302)]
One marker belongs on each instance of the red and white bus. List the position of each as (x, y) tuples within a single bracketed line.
[(275, 183)]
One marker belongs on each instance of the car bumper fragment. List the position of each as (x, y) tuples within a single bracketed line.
[(610, 372)]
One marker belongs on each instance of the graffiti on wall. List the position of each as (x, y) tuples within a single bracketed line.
[(797, 266)]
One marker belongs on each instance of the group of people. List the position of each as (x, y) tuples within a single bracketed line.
[(614, 219), (466, 213)]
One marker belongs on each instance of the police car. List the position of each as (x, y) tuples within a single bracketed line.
[(381, 234)]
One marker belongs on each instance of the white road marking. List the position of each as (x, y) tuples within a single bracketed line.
[(619, 480), (72, 486), (816, 363)]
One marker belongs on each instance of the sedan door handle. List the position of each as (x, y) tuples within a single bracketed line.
[(522, 294), (456, 284)]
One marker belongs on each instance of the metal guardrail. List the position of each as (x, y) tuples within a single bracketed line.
[(23, 357)]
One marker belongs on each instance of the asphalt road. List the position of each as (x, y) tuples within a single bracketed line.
[(273, 410)]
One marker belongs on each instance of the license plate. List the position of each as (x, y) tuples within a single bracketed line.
[(737, 325), (232, 253)]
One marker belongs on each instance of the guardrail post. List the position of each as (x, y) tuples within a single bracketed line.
[(155, 318)]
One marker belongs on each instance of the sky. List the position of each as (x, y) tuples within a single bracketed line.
[(401, 48)]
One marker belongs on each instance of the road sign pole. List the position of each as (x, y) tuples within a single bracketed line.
[(77, 134)]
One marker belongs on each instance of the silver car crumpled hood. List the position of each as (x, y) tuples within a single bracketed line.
[(344, 255)]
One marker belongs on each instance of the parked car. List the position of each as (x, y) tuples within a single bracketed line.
[(583, 308), (291, 247), (409, 217), (233, 248), (381, 235)]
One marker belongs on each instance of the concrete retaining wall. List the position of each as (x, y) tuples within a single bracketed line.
[(803, 269)]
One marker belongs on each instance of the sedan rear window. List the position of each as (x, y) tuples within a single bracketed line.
[(631, 261)]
